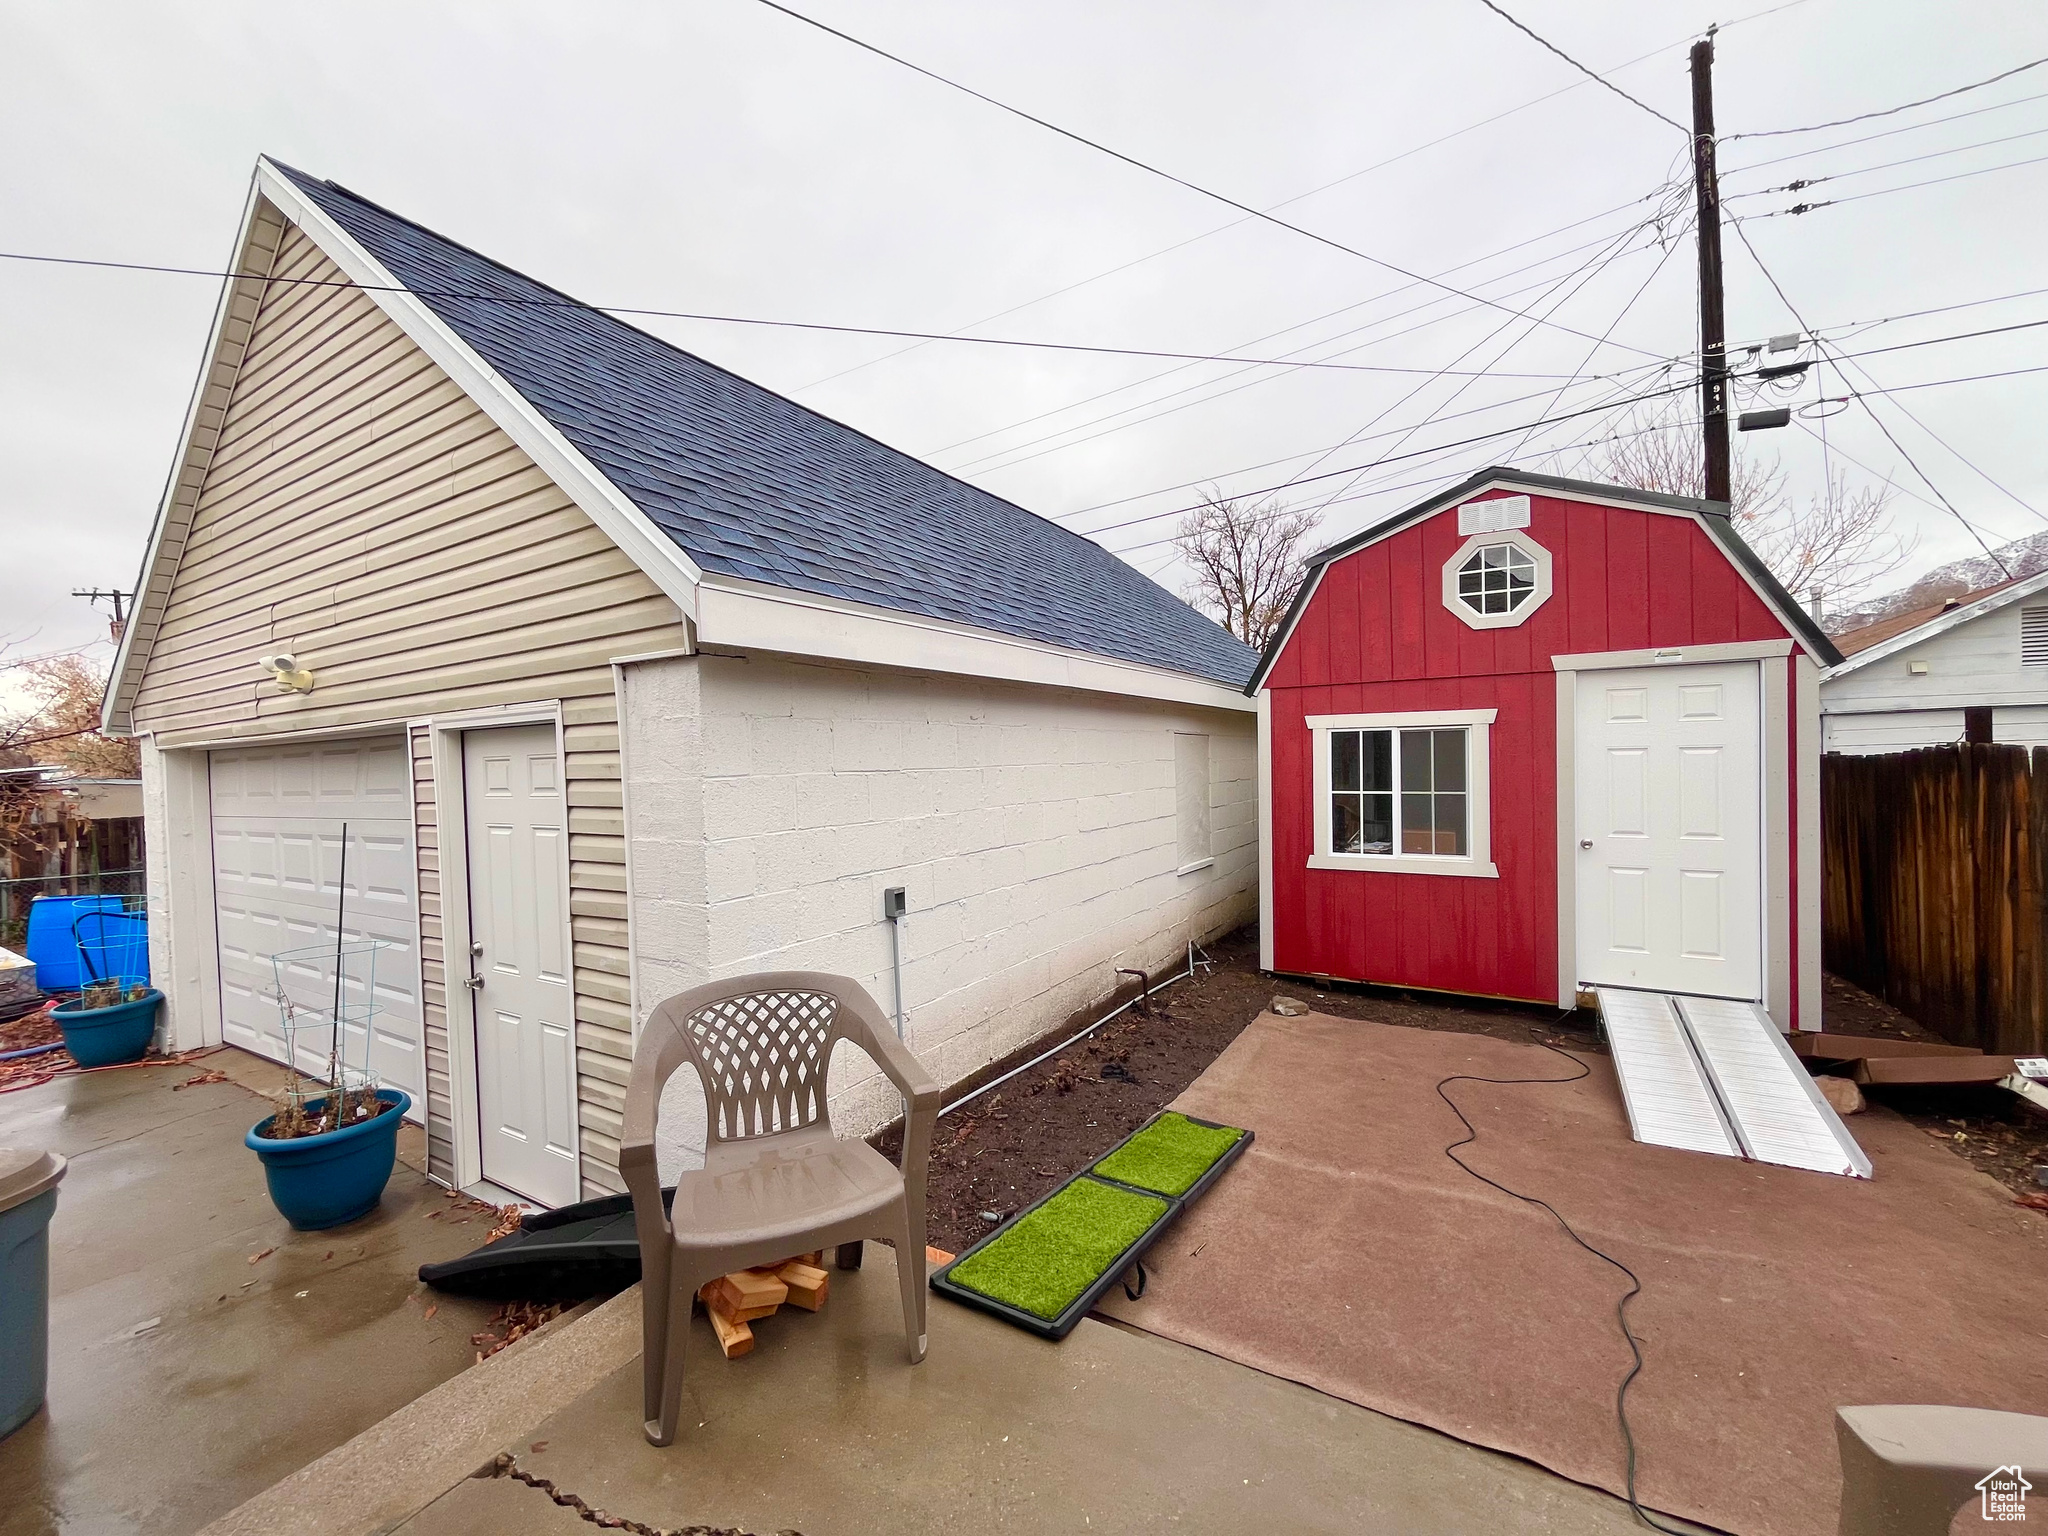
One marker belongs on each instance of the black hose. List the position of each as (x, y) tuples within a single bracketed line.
[(1635, 1284)]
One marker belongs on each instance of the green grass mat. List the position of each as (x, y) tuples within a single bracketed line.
[(1052, 1254), (1168, 1155)]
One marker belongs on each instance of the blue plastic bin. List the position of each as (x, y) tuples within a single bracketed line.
[(54, 937), (28, 1198)]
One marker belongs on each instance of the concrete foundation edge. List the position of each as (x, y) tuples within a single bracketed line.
[(398, 1466)]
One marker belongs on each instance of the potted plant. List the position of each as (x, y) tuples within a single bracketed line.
[(110, 1022), (327, 1159)]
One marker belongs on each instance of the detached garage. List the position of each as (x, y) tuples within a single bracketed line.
[(625, 673), (1535, 737)]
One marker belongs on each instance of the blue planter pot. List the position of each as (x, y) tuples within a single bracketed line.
[(336, 1176), (105, 1037)]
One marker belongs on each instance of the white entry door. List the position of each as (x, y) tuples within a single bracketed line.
[(278, 813), (517, 823), (1670, 829)]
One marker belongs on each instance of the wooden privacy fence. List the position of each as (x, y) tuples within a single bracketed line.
[(1934, 887)]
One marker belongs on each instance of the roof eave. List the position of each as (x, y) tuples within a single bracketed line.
[(1941, 623)]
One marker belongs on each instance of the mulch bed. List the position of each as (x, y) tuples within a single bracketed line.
[(1008, 1147), (1011, 1145)]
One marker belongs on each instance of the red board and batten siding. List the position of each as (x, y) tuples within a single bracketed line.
[(1376, 638)]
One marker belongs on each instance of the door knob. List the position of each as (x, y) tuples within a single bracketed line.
[(1585, 842), (474, 983)]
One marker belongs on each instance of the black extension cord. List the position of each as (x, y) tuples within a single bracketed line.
[(1635, 1283)]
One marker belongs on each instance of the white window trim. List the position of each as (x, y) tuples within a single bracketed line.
[(1537, 599), (1478, 862)]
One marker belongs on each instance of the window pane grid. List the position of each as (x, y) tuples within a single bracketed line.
[(1497, 578), (1419, 773)]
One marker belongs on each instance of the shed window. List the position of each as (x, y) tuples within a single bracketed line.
[(1403, 794), (1399, 791), (1496, 578)]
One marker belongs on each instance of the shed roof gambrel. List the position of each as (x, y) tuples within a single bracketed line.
[(1710, 515)]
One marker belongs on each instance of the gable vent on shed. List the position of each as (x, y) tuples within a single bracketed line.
[(2034, 637)]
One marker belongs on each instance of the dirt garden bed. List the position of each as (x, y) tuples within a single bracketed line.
[(1008, 1147)]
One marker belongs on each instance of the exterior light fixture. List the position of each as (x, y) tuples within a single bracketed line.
[(1763, 421), (290, 677)]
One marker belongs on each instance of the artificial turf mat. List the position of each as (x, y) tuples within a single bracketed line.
[(1055, 1251), (1169, 1154)]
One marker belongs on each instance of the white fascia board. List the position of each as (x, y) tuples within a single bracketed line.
[(174, 510), (1940, 624), (664, 562), (750, 615)]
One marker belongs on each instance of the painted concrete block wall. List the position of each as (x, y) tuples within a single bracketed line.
[(771, 802)]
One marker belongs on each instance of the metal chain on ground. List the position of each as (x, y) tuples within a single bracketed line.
[(505, 1464)]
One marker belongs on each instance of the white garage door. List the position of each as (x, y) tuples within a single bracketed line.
[(277, 820)]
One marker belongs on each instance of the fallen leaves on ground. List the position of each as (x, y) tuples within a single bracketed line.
[(432, 1308), (2033, 1202), (200, 1080), (257, 1258), (511, 1322)]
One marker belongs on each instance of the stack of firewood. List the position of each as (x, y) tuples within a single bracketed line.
[(737, 1301)]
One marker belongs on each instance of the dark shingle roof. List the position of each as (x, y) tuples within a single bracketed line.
[(751, 485)]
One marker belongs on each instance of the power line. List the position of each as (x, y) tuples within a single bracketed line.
[(1218, 394), (1876, 420), (1317, 191), (1608, 406), (754, 320), (1872, 138), (1544, 42), (1864, 170), (1911, 186), (1327, 315), (1592, 270), (1137, 164), (1864, 117)]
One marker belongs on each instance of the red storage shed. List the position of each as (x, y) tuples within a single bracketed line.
[(1537, 735)]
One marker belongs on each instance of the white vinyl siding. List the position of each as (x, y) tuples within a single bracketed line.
[(363, 513)]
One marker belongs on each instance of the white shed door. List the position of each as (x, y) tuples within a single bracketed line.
[(520, 970), (277, 819), (1669, 818)]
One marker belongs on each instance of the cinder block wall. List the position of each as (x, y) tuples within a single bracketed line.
[(771, 802)]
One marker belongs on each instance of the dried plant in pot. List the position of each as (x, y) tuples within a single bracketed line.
[(110, 1022), (328, 1149)]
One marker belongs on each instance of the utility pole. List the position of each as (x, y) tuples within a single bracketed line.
[(1713, 329), (94, 594)]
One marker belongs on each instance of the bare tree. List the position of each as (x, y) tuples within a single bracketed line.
[(1247, 558), (58, 720), (1840, 543)]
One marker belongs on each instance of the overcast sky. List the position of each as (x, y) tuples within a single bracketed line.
[(720, 158)]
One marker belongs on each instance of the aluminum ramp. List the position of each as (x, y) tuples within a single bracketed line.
[(1704, 1074)]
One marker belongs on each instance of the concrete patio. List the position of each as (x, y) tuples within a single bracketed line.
[(825, 1429), (199, 1348)]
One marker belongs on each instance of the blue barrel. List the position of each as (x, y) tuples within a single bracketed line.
[(53, 939), (28, 1198)]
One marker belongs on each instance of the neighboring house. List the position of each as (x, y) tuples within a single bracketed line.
[(1536, 734), (1971, 668), (626, 673)]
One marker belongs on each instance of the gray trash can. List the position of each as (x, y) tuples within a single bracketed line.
[(28, 1198)]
